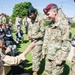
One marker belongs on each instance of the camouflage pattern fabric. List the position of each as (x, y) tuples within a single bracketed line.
[(72, 70), (36, 29), (57, 44), (52, 69), (3, 20), (0, 19), (73, 66), (36, 55)]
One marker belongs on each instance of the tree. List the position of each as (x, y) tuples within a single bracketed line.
[(7, 18), (20, 9)]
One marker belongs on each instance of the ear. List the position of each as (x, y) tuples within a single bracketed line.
[(55, 11)]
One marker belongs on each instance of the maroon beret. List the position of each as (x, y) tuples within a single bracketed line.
[(3, 14), (48, 7)]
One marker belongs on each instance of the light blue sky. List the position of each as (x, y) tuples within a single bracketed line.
[(68, 6)]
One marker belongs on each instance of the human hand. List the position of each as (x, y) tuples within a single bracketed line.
[(57, 62)]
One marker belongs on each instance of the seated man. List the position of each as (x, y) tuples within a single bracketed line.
[(19, 34), (7, 61)]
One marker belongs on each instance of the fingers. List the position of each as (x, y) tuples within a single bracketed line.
[(43, 55)]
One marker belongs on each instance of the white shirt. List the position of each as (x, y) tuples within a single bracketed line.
[(18, 21)]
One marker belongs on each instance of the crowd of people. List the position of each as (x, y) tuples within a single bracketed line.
[(52, 42)]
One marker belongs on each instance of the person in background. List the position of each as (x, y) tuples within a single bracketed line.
[(25, 24), (10, 24), (4, 18), (0, 19), (18, 21), (19, 35)]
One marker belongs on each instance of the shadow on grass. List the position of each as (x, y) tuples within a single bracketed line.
[(42, 66), (27, 64), (25, 41), (18, 46), (66, 70)]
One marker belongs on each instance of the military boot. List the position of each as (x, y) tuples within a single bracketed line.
[(35, 73)]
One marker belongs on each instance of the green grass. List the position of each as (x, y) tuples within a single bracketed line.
[(28, 62), (73, 31)]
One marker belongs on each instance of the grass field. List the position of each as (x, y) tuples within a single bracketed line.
[(28, 62)]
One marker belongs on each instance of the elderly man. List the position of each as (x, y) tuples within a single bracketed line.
[(7, 61), (56, 41)]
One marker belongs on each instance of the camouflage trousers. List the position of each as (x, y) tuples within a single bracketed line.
[(72, 70), (36, 55), (52, 69)]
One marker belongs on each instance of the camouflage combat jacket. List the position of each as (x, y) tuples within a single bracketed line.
[(36, 29), (57, 40)]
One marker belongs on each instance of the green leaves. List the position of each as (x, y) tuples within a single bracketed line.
[(20, 9)]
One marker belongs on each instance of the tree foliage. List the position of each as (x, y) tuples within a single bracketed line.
[(20, 9), (7, 18)]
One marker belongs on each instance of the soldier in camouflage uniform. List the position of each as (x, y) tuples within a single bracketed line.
[(3, 18), (73, 58), (56, 41), (0, 19), (36, 32), (73, 64)]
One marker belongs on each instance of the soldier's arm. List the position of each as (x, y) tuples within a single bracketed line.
[(42, 30), (10, 60), (45, 43), (66, 46)]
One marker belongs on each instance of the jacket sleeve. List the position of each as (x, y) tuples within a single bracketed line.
[(41, 31), (46, 40), (66, 45), (10, 60)]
